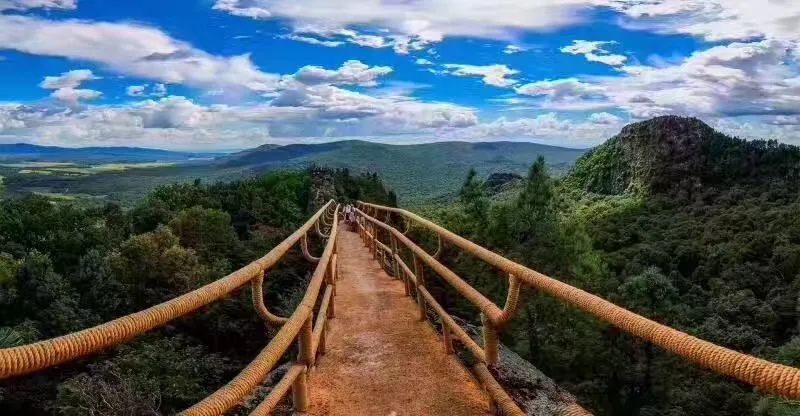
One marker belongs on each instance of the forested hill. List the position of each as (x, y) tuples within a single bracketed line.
[(672, 220), (416, 172), (677, 153), (23, 152)]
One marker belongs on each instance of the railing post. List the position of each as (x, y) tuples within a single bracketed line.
[(321, 347), (491, 342), (395, 266), (447, 339), (420, 274), (374, 242), (300, 392), (305, 344)]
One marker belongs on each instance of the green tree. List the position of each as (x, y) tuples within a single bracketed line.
[(473, 198), (156, 268), (207, 231)]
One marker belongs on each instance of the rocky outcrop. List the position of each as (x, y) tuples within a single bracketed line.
[(322, 188), (501, 181), (670, 152)]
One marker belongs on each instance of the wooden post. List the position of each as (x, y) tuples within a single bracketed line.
[(321, 347), (491, 343), (300, 392), (447, 338), (395, 266), (420, 274), (305, 341)]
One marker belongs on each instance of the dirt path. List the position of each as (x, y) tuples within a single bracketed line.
[(381, 361)]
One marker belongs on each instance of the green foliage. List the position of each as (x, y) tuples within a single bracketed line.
[(155, 267), (10, 338), (207, 231), (160, 376), (716, 258), (66, 267)]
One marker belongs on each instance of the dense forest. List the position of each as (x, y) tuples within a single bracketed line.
[(669, 219), (65, 267)]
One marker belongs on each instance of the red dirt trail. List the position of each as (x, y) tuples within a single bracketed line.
[(380, 360)]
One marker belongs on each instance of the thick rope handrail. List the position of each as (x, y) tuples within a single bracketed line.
[(243, 384), (43, 354), (278, 391), (257, 287), (475, 297), (776, 378)]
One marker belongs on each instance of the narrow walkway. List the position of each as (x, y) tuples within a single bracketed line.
[(380, 360)]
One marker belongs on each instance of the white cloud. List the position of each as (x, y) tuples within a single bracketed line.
[(65, 86), (314, 41), (135, 90), (546, 127), (754, 78), (132, 49), (69, 79), (715, 20), (74, 95), (495, 75), (712, 20), (238, 8), (738, 79), (351, 72), (415, 25), (297, 113), (156, 90), (512, 49), (423, 62), (605, 118), (594, 52), (38, 4), (560, 89)]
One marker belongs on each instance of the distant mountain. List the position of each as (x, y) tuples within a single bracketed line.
[(415, 172), (92, 155), (670, 152)]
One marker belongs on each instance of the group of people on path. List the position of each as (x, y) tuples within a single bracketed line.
[(349, 216)]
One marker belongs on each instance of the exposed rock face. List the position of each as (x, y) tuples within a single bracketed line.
[(322, 188), (535, 393), (498, 182)]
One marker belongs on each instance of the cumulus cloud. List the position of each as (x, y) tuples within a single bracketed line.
[(416, 25), (351, 72), (594, 52), (38, 4), (423, 62), (738, 79), (69, 79), (754, 78), (547, 127), (715, 20), (74, 95), (298, 112), (495, 75), (560, 89), (132, 49), (65, 86)]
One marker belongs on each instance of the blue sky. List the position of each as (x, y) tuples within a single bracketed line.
[(232, 74)]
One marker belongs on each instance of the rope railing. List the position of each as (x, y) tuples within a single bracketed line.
[(771, 377), (300, 326), (492, 316)]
